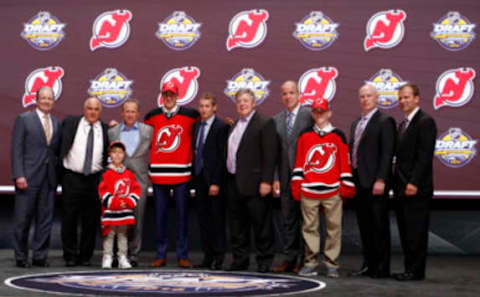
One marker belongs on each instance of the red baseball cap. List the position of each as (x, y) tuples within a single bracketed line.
[(117, 144), (170, 86), (320, 103)]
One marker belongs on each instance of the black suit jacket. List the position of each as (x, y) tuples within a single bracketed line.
[(414, 155), (375, 150), (69, 129), (256, 155), (213, 151)]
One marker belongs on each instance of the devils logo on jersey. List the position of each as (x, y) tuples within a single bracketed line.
[(385, 29), (453, 31), (122, 187), (248, 78), (455, 148), (320, 158), (186, 79), (111, 29), (179, 31), (111, 87), (168, 139), (387, 84), (317, 83), (454, 88), (44, 31), (48, 76), (316, 31), (247, 29)]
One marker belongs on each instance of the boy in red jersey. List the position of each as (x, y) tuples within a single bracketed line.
[(321, 178)]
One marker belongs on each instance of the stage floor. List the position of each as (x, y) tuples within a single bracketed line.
[(446, 276)]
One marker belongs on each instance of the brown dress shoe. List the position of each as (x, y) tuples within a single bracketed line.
[(184, 263), (297, 268), (159, 263), (281, 268)]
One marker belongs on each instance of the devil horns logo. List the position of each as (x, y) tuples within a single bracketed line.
[(111, 29), (385, 29), (48, 76), (186, 79), (454, 88), (247, 29), (317, 83)]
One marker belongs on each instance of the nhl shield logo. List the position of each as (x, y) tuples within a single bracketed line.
[(179, 31), (454, 88), (317, 83), (111, 29), (111, 87), (385, 29), (387, 84), (49, 76), (247, 29), (453, 31), (248, 78), (316, 31), (44, 31), (320, 158), (186, 79), (455, 148), (168, 139)]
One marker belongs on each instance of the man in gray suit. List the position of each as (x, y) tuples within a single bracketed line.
[(137, 138), (35, 148), (289, 123)]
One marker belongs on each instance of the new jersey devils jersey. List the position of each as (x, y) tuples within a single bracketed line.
[(322, 166), (171, 149)]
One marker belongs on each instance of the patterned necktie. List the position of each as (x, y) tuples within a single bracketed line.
[(87, 165), (358, 135), (289, 124), (47, 128), (199, 152), (402, 127)]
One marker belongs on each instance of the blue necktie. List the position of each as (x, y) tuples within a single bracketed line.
[(199, 152)]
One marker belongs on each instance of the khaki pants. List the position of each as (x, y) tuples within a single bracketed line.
[(333, 218), (122, 243)]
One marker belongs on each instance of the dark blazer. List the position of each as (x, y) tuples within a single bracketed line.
[(414, 155), (375, 150), (69, 129), (213, 151), (256, 155), (30, 150)]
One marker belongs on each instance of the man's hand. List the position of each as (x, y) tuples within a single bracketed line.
[(229, 121), (276, 189), (213, 190), (112, 123), (378, 187), (411, 190), (265, 189), (21, 183)]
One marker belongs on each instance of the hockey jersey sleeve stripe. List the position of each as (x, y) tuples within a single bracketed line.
[(106, 199), (348, 183)]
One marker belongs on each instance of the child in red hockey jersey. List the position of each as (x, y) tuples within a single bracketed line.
[(321, 178), (119, 194)]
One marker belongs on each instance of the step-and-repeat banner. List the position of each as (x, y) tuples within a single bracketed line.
[(115, 50)]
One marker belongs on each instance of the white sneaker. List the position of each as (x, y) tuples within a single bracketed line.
[(107, 262), (123, 263)]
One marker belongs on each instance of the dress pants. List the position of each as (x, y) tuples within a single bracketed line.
[(292, 215), (180, 195), (80, 202), (135, 233), (244, 213)]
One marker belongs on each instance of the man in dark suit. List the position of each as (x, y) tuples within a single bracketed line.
[(413, 186), (209, 140), (289, 123), (35, 145), (251, 156), (84, 151), (372, 145)]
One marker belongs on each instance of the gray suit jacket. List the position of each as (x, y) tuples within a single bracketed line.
[(138, 162), (30, 151), (288, 145)]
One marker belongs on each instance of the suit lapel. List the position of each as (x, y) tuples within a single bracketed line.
[(371, 123), (248, 130), (39, 126), (212, 128), (283, 124)]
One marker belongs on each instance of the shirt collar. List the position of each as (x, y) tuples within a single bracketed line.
[(119, 170), (86, 124), (173, 111), (370, 114), (209, 121), (41, 114), (247, 118), (327, 129), (412, 114), (295, 110), (123, 127)]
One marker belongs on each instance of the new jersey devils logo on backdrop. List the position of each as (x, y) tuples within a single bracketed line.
[(122, 187), (317, 83), (385, 29), (454, 88), (48, 76), (247, 29), (186, 79), (320, 158), (111, 29), (168, 139)]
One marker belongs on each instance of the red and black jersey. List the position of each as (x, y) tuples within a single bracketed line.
[(171, 150), (322, 166)]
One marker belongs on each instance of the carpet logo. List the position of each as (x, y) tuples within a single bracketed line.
[(316, 31), (454, 88), (179, 31), (111, 87), (44, 31), (186, 79), (248, 78), (385, 29), (453, 31), (455, 148), (317, 83), (387, 84), (41, 77), (247, 29)]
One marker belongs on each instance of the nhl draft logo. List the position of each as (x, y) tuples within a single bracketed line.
[(186, 79), (320, 158), (179, 31), (122, 187), (455, 148), (44, 31), (385, 29), (454, 88), (316, 31), (41, 77), (168, 139), (248, 79), (111, 29), (111, 87), (453, 31), (387, 84), (317, 83), (247, 29)]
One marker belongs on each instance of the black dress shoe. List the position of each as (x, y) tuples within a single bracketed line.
[(84, 263), (407, 276), (364, 271), (40, 263), (203, 265), (237, 267), (70, 263), (22, 264), (134, 263), (380, 275), (217, 266), (263, 268)]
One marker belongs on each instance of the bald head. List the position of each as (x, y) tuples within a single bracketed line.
[(92, 109), (290, 95), (368, 98)]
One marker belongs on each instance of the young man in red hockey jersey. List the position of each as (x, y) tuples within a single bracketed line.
[(321, 178)]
